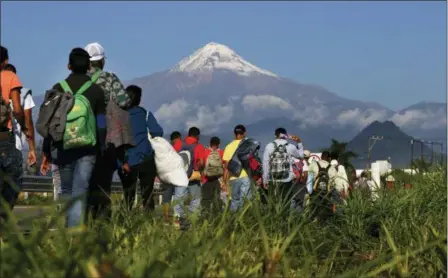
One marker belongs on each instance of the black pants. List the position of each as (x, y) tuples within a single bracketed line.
[(11, 171), (279, 192), (211, 195), (146, 173), (323, 203), (99, 193)]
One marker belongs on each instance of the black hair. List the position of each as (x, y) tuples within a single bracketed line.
[(334, 155), (325, 155), (4, 55), (79, 60), (10, 67), (98, 64), (135, 94), (175, 135), (194, 132), (215, 141), (239, 130), (279, 131)]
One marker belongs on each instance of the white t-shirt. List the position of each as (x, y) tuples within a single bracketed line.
[(27, 103)]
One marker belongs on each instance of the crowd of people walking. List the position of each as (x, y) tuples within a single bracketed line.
[(93, 127)]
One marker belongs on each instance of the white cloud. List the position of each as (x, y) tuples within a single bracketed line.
[(311, 115), (208, 119), (424, 119), (253, 102), (171, 111), (361, 118), (192, 114)]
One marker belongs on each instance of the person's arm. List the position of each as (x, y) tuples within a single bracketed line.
[(118, 93), (266, 155), (297, 151), (225, 160), (18, 110), (28, 105), (153, 126)]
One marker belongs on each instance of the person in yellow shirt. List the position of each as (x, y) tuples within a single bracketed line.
[(239, 186)]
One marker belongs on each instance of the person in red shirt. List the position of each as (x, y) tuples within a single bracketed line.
[(176, 141), (211, 186), (194, 186)]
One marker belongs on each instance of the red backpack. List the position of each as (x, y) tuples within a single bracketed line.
[(297, 168)]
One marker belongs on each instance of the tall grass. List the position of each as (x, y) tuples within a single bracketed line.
[(402, 234)]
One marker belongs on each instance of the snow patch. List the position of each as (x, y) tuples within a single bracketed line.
[(218, 56)]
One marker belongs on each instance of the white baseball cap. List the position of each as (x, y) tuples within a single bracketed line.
[(96, 51)]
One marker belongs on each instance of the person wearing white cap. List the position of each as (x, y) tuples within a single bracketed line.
[(99, 202), (108, 81)]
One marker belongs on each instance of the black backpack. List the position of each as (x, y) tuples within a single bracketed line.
[(322, 182), (187, 154)]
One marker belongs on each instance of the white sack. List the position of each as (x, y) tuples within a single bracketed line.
[(169, 164)]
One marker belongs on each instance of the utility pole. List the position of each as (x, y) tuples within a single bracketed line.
[(372, 141)]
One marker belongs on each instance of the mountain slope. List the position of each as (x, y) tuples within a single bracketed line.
[(395, 145), (215, 86)]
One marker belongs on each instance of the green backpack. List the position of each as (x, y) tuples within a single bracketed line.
[(80, 126)]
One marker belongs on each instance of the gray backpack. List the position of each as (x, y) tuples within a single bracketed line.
[(279, 163), (53, 114)]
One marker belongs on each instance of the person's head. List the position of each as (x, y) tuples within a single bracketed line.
[(353, 174), (215, 142), (364, 174), (334, 155), (135, 94), (194, 132), (11, 67), (279, 131), (306, 155), (4, 56), (325, 156), (175, 136), (240, 132), (78, 61), (97, 55)]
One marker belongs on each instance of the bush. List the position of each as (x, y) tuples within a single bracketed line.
[(402, 234)]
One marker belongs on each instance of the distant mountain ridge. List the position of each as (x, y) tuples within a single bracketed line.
[(394, 145), (215, 88)]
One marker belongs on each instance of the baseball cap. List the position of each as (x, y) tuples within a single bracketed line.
[(306, 153), (239, 129), (96, 51)]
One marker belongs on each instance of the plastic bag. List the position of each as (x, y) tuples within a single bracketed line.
[(169, 164)]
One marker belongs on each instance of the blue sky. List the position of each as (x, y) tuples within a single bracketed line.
[(393, 53)]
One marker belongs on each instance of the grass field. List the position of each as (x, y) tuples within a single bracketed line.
[(256, 242)]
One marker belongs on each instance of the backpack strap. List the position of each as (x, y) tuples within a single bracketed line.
[(65, 87), (84, 88), (96, 75)]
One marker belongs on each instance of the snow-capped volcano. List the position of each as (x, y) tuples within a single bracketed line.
[(218, 56)]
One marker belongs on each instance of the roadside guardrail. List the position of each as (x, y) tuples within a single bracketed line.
[(41, 184)]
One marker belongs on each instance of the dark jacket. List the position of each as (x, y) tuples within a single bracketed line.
[(95, 96), (142, 122)]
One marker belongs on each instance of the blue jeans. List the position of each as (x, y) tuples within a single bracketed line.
[(181, 192), (56, 182), (240, 189), (75, 177)]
